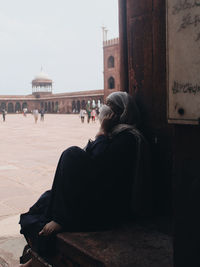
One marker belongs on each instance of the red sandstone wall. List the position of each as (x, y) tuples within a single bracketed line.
[(111, 49), (48, 102)]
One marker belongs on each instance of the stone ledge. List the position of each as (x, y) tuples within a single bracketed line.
[(131, 245), (128, 246)]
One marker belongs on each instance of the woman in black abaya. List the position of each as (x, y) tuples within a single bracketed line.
[(95, 187)]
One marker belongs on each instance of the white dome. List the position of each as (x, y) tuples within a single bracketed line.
[(42, 76)]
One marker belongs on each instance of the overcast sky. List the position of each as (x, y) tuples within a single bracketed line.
[(62, 36)]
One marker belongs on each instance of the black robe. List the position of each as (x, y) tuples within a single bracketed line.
[(91, 188)]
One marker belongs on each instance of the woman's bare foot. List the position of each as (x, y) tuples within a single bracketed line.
[(27, 264), (50, 228)]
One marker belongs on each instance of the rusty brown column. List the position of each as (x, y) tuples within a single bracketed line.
[(123, 46)]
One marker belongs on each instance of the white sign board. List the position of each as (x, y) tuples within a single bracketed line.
[(183, 61)]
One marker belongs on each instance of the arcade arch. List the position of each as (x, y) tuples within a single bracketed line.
[(24, 105), (111, 62), (88, 106), (56, 106), (83, 104), (99, 103), (73, 106), (17, 107), (49, 106), (93, 104), (78, 105), (111, 83), (3, 106), (10, 107)]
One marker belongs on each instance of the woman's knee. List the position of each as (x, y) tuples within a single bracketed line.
[(74, 155), (72, 151)]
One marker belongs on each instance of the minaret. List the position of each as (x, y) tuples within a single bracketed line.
[(105, 33)]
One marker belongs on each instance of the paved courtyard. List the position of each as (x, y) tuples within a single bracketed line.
[(29, 155)]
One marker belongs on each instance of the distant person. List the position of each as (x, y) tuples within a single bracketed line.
[(88, 115), (93, 115), (24, 111), (42, 114), (82, 115), (35, 115), (4, 114)]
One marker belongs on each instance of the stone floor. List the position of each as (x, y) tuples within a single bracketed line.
[(29, 155)]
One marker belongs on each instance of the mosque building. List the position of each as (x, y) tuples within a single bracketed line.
[(43, 98)]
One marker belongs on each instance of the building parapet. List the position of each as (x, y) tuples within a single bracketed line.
[(114, 41), (80, 93), (53, 96)]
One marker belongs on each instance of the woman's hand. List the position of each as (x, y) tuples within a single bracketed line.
[(50, 228)]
